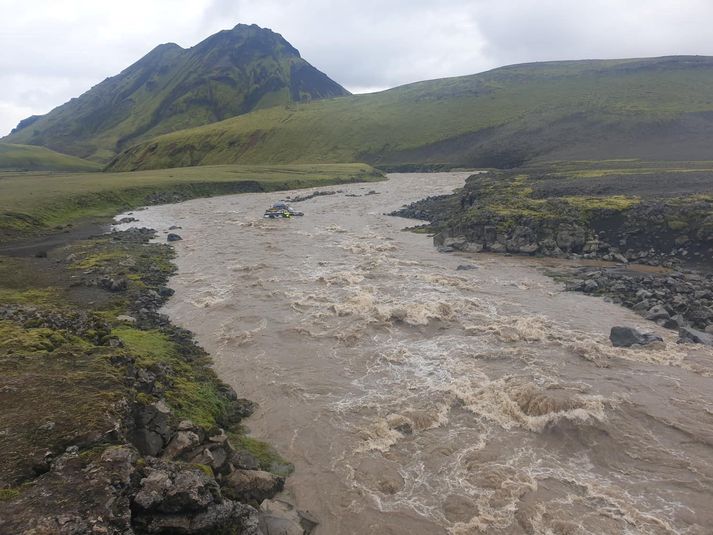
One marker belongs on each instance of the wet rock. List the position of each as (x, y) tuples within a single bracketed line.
[(466, 267), (689, 334), (252, 485), (278, 517), (174, 227), (628, 336), (453, 244), (173, 237), (125, 220)]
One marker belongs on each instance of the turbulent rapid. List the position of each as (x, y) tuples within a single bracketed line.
[(417, 398)]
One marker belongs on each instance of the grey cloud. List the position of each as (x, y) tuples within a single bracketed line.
[(60, 49)]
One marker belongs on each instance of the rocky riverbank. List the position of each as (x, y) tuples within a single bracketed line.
[(678, 300), (660, 218), (113, 420)]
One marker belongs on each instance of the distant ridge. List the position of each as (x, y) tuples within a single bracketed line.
[(228, 74), (651, 108), (33, 158)]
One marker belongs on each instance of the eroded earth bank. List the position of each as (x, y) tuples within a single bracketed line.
[(421, 392)]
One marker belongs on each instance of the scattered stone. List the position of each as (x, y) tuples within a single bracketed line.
[(174, 227), (114, 285), (466, 267), (47, 426), (173, 237), (126, 318), (628, 336), (125, 220)]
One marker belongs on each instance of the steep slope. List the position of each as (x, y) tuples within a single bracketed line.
[(230, 73), (31, 158), (659, 108)]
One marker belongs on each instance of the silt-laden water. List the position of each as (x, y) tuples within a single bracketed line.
[(414, 398)]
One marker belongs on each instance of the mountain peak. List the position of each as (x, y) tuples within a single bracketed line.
[(229, 73)]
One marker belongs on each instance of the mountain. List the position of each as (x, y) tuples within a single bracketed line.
[(228, 74), (32, 158), (656, 108)]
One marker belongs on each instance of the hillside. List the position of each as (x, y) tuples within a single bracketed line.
[(659, 108), (228, 74), (31, 158)]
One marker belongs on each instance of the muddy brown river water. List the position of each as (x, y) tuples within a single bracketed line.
[(415, 398)]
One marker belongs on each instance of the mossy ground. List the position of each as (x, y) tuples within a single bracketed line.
[(65, 358)]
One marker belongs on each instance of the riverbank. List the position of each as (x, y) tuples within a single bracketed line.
[(624, 212), (113, 419), (417, 398)]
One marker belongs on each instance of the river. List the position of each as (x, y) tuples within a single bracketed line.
[(416, 398)]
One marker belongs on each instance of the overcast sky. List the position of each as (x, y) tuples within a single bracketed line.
[(53, 50)]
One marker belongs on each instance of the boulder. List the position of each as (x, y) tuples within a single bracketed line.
[(152, 427), (252, 485), (175, 488), (657, 313), (182, 442), (688, 334), (278, 517), (628, 336), (173, 237)]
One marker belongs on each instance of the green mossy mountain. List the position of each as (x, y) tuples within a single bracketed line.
[(230, 73), (651, 109)]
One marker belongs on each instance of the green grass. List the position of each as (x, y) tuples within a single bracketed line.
[(33, 158), (36, 201), (519, 113)]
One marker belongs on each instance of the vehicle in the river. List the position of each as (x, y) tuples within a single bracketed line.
[(281, 210)]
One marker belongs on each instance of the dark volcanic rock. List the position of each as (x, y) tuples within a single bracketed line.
[(180, 498), (152, 428), (173, 237), (628, 336), (688, 334)]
